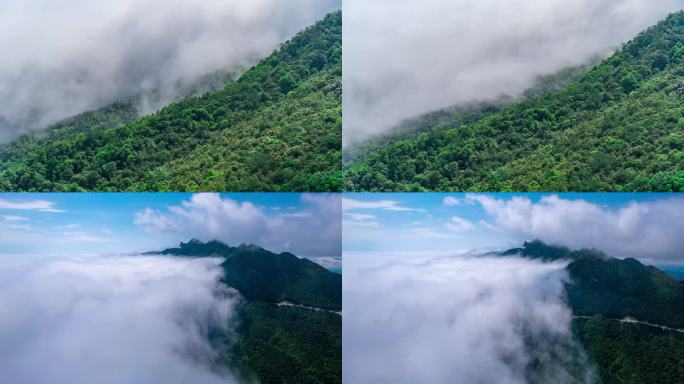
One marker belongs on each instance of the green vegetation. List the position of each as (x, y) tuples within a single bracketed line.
[(600, 284), (606, 289), (269, 277), (277, 344), (619, 128), (632, 353), (277, 128), (287, 345), (620, 288)]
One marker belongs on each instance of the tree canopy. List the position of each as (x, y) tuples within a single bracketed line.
[(618, 128), (277, 128)]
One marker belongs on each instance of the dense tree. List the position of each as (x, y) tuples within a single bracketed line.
[(602, 290), (632, 353), (276, 128), (272, 343), (618, 128)]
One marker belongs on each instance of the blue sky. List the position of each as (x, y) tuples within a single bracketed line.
[(114, 223), (645, 226)]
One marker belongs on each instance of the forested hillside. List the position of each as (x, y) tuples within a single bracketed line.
[(619, 128), (601, 291), (277, 343), (277, 128), (262, 275)]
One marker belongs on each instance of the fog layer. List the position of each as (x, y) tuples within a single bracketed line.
[(62, 58), (458, 320), (113, 320), (403, 58)]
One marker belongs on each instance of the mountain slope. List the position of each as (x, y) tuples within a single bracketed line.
[(277, 344), (277, 128), (619, 128), (616, 288), (261, 275), (629, 353), (287, 345), (601, 291)]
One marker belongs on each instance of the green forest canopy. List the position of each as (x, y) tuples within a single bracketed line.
[(277, 128), (619, 128), (277, 344)]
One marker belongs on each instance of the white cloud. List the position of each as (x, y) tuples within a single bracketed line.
[(13, 219), (458, 224), (314, 231), (111, 320), (36, 205), (349, 204), (360, 220), (456, 320), (403, 58), (18, 231), (78, 237), (646, 230), (360, 217), (76, 55), (455, 201)]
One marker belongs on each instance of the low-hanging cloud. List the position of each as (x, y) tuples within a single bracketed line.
[(112, 320), (313, 230), (650, 230), (63, 58), (459, 320), (403, 58)]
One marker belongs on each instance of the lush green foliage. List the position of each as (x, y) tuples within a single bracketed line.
[(607, 289), (620, 288), (277, 344), (277, 128), (617, 288), (287, 345), (632, 353), (266, 276), (619, 128)]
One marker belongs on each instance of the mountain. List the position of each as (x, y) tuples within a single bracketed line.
[(629, 353), (616, 288), (617, 128), (459, 115), (277, 343), (601, 291), (269, 277), (276, 128)]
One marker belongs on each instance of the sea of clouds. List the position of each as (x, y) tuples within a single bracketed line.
[(460, 319), (112, 320)]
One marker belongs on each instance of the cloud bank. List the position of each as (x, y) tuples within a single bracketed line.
[(28, 205), (313, 231), (458, 320), (66, 57), (403, 58), (111, 320), (646, 230)]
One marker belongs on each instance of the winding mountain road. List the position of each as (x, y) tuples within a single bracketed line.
[(290, 304), (631, 320)]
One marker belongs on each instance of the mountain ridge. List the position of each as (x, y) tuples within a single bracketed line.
[(616, 129), (276, 128), (602, 292), (273, 342), (261, 275), (617, 288)]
